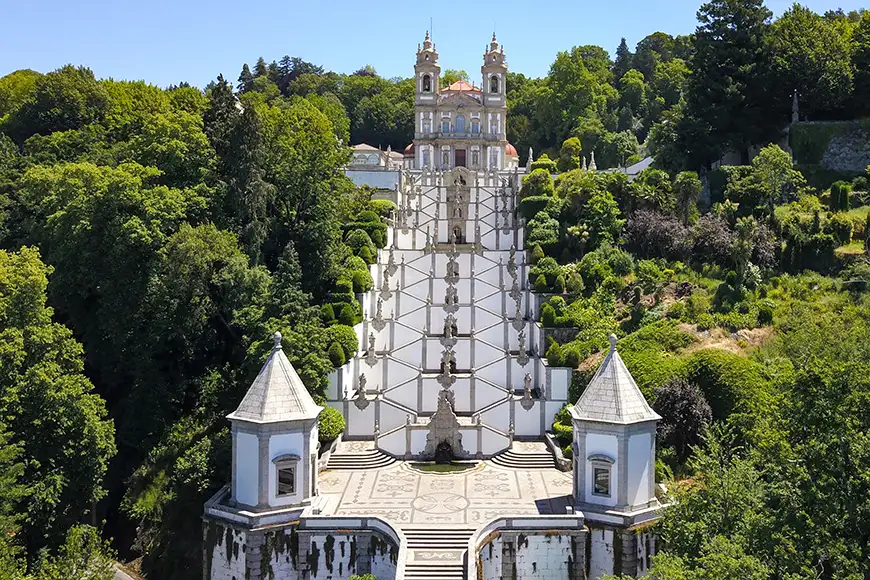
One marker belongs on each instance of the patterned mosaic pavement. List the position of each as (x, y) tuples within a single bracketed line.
[(467, 499)]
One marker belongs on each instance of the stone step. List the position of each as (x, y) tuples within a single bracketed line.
[(365, 460), (517, 460), (439, 571), (440, 539)]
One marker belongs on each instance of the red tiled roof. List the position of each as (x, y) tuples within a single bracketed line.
[(462, 86)]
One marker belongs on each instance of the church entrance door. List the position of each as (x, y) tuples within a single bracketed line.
[(460, 158)]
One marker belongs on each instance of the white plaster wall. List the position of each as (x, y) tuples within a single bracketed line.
[(284, 444), (405, 395), (391, 417), (393, 443), (493, 442), (639, 468), (499, 417), (604, 445), (492, 368), (399, 373), (247, 463), (410, 353), (493, 334), (527, 423), (601, 553), (469, 440), (418, 440), (484, 353), (462, 395), (360, 423), (490, 301), (232, 567), (485, 394), (560, 381)]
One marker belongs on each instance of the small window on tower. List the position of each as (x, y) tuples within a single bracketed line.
[(427, 83), (493, 84), (475, 126), (601, 481), (286, 481)]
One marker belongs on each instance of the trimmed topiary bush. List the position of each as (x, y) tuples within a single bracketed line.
[(548, 316), (336, 355), (559, 286), (344, 285), (367, 255), (346, 316), (330, 424), (345, 336), (544, 162), (555, 355), (382, 207), (537, 254), (362, 281), (327, 314), (541, 284), (367, 216)]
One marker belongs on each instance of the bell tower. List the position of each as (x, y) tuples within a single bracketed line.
[(494, 72), (427, 72)]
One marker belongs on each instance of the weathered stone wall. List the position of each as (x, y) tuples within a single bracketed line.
[(294, 553), (839, 146), (540, 555)]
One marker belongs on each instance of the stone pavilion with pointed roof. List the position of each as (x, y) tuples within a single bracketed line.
[(274, 432), (614, 466)]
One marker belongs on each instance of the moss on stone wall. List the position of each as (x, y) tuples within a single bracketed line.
[(809, 141)]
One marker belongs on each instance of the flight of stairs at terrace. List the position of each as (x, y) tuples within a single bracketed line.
[(436, 553)]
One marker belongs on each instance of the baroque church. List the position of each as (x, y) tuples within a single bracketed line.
[(446, 468)]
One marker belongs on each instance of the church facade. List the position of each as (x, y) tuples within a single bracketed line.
[(461, 125), (450, 365)]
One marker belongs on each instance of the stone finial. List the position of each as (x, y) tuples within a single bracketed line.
[(277, 338), (592, 166), (612, 339), (583, 165)]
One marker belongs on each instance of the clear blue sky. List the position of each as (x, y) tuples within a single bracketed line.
[(167, 41)]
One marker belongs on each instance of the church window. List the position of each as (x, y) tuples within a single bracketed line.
[(475, 158), (493, 84), (475, 126), (460, 124), (427, 127), (427, 83), (493, 127), (493, 158), (445, 159), (426, 161), (601, 481), (445, 125)]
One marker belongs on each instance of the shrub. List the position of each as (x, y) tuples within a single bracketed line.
[(568, 451), (344, 336), (649, 275), (356, 263), (685, 415), (336, 355), (841, 227), (344, 285), (731, 383), (327, 314), (367, 255), (547, 267), (382, 207), (538, 183), (544, 162), (559, 286), (555, 356), (330, 424), (676, 311), (652, 234), (765, 311), (537, 254), (346, 316), (563, 432), (533, 205), (541, 285), (548, 316), (379, 236), (859, 183), (575, 283), (572, 358), (358, 239), (362, 281), (368, 216)]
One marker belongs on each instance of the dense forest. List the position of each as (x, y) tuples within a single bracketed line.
[(153, 239)]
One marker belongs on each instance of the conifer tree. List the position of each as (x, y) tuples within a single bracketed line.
[(623, 62), (246, 79), (260, 69)]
